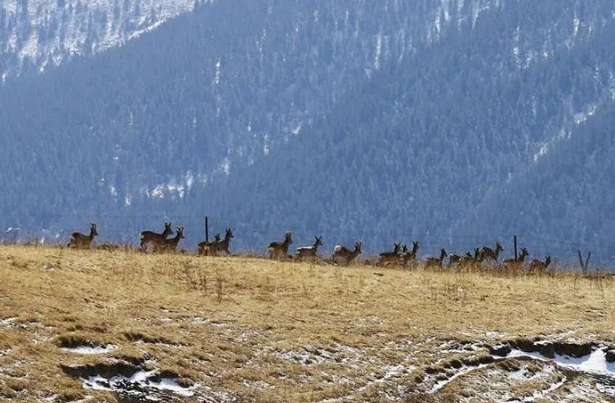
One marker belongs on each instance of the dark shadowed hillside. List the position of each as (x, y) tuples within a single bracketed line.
[(564, 199), (419, 151)]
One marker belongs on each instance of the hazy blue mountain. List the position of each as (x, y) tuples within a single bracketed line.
[(452, 122)]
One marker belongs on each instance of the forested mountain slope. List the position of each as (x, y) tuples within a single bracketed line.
[(185, 103), (563, 200), (419, 151), (430, 120)]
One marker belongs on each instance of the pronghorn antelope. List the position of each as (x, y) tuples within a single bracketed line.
[(463, 260), (171, 243), (81, 241), (343, 255), (205, 248), (223, 245), (309, 252), (280, 249), (154, 238), (540, 266), (391, 257), (217, 245), (434, 261), (208, 248), (478, 256), (516, 264), (455, 259), (469, 261), (488, 253), (410, 257)]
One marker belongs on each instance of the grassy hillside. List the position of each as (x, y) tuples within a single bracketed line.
[(218, 329)]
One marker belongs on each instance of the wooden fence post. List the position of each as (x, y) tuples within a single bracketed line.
[(206, 229)]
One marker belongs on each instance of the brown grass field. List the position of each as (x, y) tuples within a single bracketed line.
[(248, 329)]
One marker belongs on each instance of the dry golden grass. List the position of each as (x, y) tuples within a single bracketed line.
[(242, 325)]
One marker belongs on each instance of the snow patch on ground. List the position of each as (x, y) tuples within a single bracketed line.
[(7, 322), (142, 379), (91, 350), (595, 363), (463, 371)]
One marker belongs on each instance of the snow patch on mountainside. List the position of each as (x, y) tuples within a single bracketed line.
[(40, 33)]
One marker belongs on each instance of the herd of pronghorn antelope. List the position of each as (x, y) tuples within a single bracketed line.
[(399, 256)]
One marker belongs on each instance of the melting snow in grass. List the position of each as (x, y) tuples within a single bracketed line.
[(606, 389), (594, 363), (441, 384), (197, 320), (91, 350), (142, 379), (7, 321), (553, 388)]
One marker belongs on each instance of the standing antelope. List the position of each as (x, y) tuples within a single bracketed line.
[(391, 257), (154, 238), (208, 248), (469, 261), (280, 249), (309, 252), (343, 255), (81, 241), (465, 260), (410, 257), (434, 261), (478, 257), (516, 264), (539, 266), (487, 252), (170, 245), (456, 259), (223, 245)]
